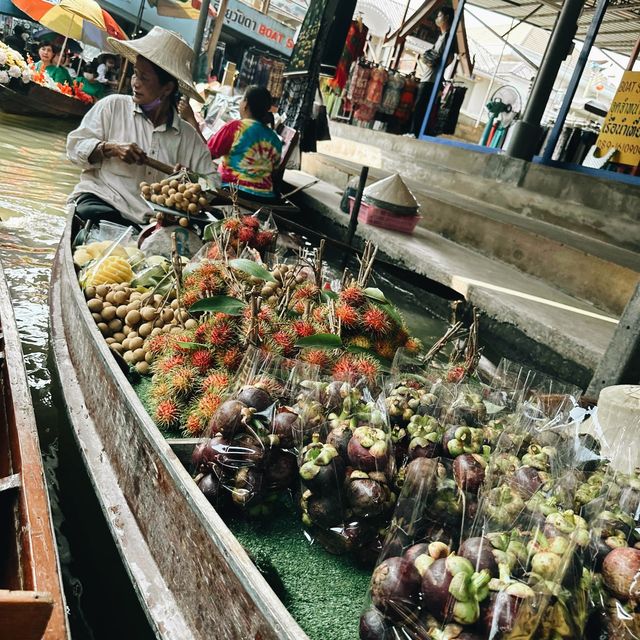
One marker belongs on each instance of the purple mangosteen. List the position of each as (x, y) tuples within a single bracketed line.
[(368, 449), (395, 588)]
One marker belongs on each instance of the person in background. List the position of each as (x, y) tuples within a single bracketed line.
[(120, 132), (89, 84), (249, 148), (106, 72), (431, 58), (18, 40), (47, 53)]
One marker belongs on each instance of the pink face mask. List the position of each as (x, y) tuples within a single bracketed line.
[(151, 105)]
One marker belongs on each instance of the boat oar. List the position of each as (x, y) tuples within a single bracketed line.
[(160, 166)]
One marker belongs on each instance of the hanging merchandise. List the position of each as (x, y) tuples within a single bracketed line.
[(392, 93), (259, 68), (353, 49), (360, 76), (375, 89), (402, 115)]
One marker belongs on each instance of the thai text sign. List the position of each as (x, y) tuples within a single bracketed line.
[(259, 27), (621, 128)]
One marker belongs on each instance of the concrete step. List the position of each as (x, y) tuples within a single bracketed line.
[(598, 272), (555, 332), (595, 207)]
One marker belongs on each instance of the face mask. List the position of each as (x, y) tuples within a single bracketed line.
[(151, 106), (89, 76), (25, 36)]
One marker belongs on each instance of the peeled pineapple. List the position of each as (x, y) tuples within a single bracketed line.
[(88, 252), (111, 270)]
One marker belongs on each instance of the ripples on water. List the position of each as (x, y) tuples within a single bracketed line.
[(36, 178)]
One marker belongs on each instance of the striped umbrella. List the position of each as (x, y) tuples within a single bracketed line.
[(82, 20)]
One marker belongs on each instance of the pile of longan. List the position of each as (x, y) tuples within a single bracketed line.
[(174, 194)]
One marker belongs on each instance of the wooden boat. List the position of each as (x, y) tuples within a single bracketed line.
[(193, 578), (32, 604), (32, 99)]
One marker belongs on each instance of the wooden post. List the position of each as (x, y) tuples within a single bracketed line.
[(634, 55), (621, 361), (353, 220), (215, 34)]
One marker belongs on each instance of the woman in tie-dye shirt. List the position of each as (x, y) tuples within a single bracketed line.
[(249, 148)]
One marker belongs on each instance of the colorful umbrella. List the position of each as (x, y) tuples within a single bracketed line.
[(82, 20)]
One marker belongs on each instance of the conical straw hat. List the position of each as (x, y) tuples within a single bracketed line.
[(165, 49), (391, 191)]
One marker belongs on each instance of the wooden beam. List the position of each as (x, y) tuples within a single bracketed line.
[(24, 614), (10, 482)]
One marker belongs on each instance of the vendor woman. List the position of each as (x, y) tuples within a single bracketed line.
[(120, 132), (47, 64), (89, 83), (249, 148)]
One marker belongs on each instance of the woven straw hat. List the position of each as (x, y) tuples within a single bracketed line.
[(391, 193), (165, 49)]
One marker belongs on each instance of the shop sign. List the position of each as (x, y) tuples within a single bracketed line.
[(621, 128), (259, 27)]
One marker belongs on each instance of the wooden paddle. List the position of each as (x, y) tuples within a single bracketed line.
[(160, 166)]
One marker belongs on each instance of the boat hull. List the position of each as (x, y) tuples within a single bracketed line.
[(193, 578), (34, 605), (31, 99)]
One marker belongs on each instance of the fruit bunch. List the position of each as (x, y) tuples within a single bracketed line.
[(231, 235), (130, 321), (177, 193), (554, 552)]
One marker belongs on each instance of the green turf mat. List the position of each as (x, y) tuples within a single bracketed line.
[(324, 593)]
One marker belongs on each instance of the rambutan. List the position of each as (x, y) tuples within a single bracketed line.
[(303, 329), (413, 345), (353, 296), (201, 331), (178, 339), (190, 297), (231, 359), (194, 425), (286, 341), (347, 315), (308, 291), (208, 403), (246, 235), (220, 334), (319, 313), (367, 366), (298, 307), (158, 344), (183, 380), (202, 359), (318, 357), (456, 374), (168, 363), (250, 221), (263, 239), (160, 390), (375, 320), (385, 349), (214, 252), (190, 281), (346, 369), (359, 341), (166, 413), (232, 224), (216, 380)]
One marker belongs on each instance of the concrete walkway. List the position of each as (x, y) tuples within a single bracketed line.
[(573, 329)]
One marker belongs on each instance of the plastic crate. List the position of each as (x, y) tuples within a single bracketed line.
[(377, 217)]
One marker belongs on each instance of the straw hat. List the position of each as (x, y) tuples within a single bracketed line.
[(391, 193), (165, 49)]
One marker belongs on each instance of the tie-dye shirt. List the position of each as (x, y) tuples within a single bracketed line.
[(250, 153)]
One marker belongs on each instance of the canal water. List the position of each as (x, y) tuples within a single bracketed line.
[(36, 178)]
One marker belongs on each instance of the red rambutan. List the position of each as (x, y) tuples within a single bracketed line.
[(160, 390), (308, 291), (347, 315), (263, 239), (367, 367), (166, 413), (214, 252), (413, 345), (286, 341), (303, 329), (375, 320), (318, 357), (456, 374), (202, 359), (168, 363), (190, 297), (231, 358), (221, 334), (158, 343), (194, 425), (216, 380), (246, 235), (353, 296), (385, 349), (346, 369), (182, 380), (208, 404), (250, 221), (201, 331), (232, 224)]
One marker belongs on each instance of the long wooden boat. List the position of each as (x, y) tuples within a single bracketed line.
[(32, 604), (32, 99), (193, 578)]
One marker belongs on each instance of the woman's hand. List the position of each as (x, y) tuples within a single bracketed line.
[(130, 153), (186, 112)]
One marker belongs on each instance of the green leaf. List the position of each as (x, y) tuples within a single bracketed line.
[(327, 295), (374, 293), (192, 345), (321, 341), (251, 268), (211, 230), (221, 304)]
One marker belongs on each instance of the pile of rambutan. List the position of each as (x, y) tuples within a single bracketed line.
[(237, 232)]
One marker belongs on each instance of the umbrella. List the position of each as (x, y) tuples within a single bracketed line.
[(82, 20), (46, 35), (180, 8)]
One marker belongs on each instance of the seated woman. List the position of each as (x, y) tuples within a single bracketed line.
[(120, 132), (89, 84), (47, 53), (249, 148)]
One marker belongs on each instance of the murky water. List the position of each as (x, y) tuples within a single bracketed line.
[(36, 178)]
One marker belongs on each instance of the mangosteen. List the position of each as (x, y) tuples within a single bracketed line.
[(215, 451), (324, 511), (458, 440), (209, 484), (503, 506), (339, 438), (323, 469), (255, 397), (423, 554), (425, 437), (334, 395), (368, 449), (198, 463), (527, 481), (247, 486), (469, 470), (365, 496), (451, 589), (395, 588), (479, 551), (281, 469), (228, 418), (287, 427), (539, 457), (500, 610), (368, 552), (621, 573), (467, 409), (374, 626)]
